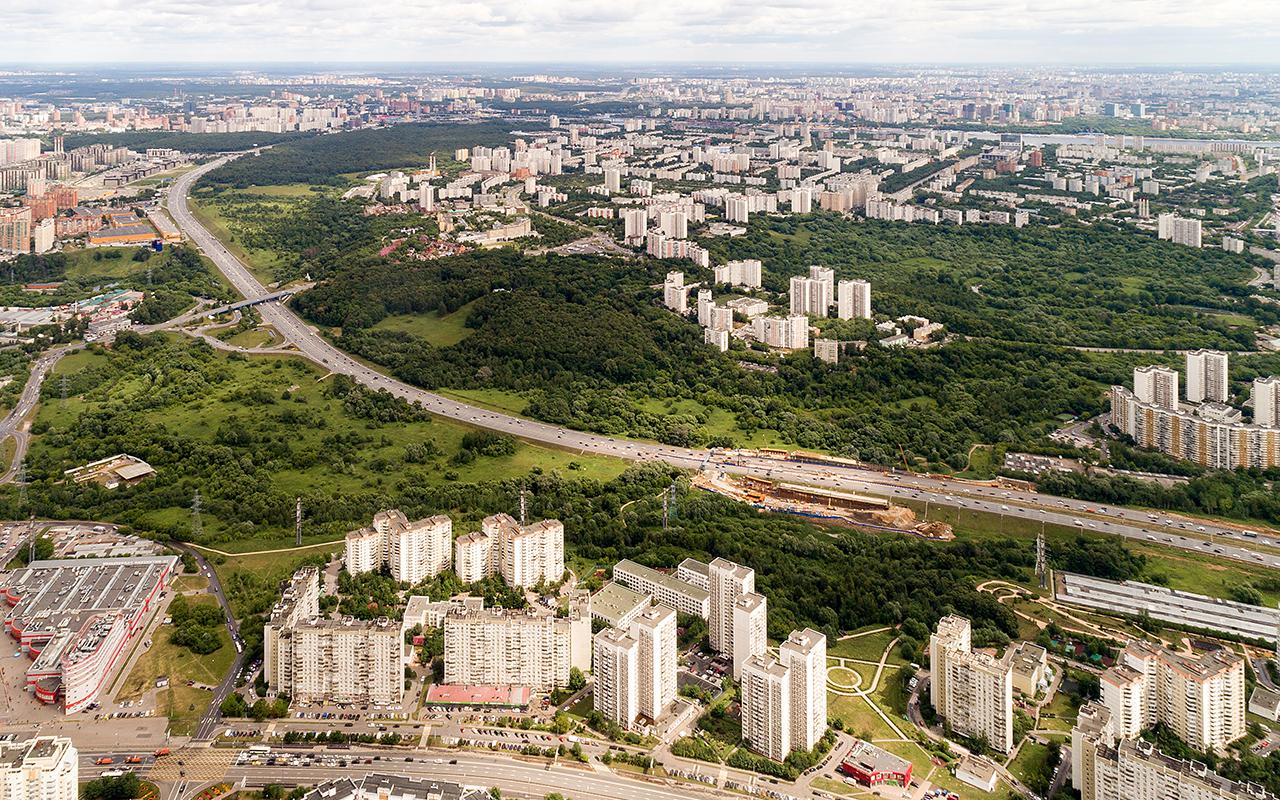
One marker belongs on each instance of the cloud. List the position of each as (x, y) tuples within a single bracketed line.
[(737, 31)]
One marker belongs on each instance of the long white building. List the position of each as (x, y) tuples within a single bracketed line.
[(44, 768), (314, 659), (684, 596), (971, 690), (1107, 766), (500, 647), (413, 551)]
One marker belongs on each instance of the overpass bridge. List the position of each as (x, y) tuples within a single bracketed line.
[(253, 301)]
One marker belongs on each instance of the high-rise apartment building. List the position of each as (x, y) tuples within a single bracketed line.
[(674, 294), (971, 690), (413, 551), (728, 581), (1266, 402), (750, 628), (791, 333), (43, 768), (1179, 230), (635, 667), (635, 224), (1207, 377), (1201, 698), (811, 295), (503, 647), (1158, 385), (853, 300), (15, 230), (313, 659), (740, 273), (765, 695), (616, 660), (655, 630), (804, 653), (1108, 766), (523, 555)]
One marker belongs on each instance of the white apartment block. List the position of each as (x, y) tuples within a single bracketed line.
[(523, 556), (674, 294), (655, 630), (669, 590), (1158, 385), (765, 692), (1201, 699), (750, 629), (635, 224), (312, 659), (44, 768), (971, 690), (740, 273), (728, 581), (812, 296), (347, 661), (696, 572), (789, 333), (804, 654), (1179, 230), (413, 551), (615, 694), (1266, 402), (503, 647), (1108, 766), (853, 299), (1207, 376)]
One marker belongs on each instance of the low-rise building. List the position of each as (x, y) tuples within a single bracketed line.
[(685, 598)]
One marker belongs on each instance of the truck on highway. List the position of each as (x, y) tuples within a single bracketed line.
[(133, 760), (163, 751), (104, 760)]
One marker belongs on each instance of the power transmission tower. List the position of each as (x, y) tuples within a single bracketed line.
[(197, 526), (524, 506), (668, 505), (297, 522), (62, 385), (1042, 566)]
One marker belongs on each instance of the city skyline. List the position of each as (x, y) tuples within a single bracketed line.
[(705, 31)]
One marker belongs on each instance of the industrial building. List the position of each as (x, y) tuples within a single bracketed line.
[(74, 617), (393, 787)]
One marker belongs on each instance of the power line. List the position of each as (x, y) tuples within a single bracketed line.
[(297, 522)]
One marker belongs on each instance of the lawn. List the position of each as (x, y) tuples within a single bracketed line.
[(923, 768), (182, 704), (1059, 715), (262, 263), (866, 648), (441, 331), (859, 719), (254, 337)]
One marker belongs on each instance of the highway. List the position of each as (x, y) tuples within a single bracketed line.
[(1029, 509), (523, 778), (11, 425)]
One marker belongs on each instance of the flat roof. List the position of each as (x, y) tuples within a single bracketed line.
[(477, 695), (615, 601), (663, 579)]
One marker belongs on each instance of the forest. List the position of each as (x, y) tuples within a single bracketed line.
[(186, 142), (322, 160), (1096, 286), (584, 343)]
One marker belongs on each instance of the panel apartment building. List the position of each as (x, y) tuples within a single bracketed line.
[(635, 667), (784, 699), (502, 647), (313, 659), (413, 551), (1201, 698), (1106, 766), (971, 690), (44, 768), (523, 555)]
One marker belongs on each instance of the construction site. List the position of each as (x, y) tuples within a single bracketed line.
[(822, 505)]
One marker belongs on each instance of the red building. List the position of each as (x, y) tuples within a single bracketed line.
[(1035, 158), (871, 766)]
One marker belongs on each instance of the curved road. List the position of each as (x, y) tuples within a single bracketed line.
[(1029, 508)]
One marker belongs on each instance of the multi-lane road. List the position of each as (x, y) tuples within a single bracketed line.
[(1028, 509), (12, 424)]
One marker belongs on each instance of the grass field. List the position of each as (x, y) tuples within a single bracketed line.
[(182, 704), (254, 337), (859, 719), (441, 331), (865, 648), (262, 263), (1059, 715), (376, 461)]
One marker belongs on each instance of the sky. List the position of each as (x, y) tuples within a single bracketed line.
[(1167, 32)]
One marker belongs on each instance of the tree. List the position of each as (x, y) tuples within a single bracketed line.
[(577, 680)]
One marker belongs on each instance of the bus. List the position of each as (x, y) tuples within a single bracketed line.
[(258, 750)]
